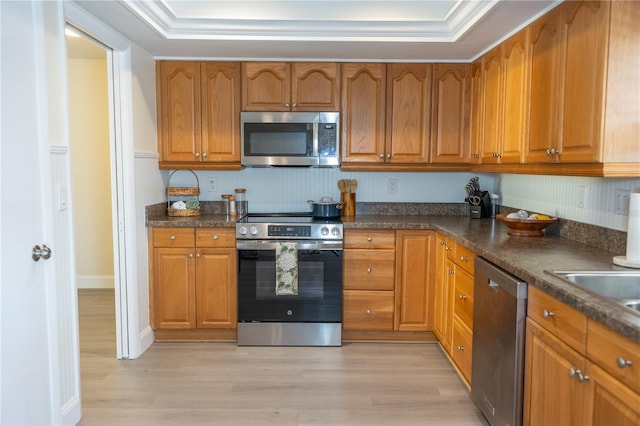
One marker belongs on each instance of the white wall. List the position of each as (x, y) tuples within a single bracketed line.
[(90, 170)]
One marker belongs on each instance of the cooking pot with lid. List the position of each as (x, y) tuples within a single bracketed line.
[(326, 208)]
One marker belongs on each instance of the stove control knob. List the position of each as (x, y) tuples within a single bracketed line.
[(253, 230), (324, 231), (335, 231), (242, 230)]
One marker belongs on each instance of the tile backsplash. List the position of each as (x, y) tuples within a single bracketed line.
[(581, 199)]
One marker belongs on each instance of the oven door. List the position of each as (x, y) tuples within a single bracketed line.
[(319, 297)]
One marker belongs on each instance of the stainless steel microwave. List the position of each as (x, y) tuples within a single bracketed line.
[(294, 139)]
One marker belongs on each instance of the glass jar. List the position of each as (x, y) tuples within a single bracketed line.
[(242, 204)]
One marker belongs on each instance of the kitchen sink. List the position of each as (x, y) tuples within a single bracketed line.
[(622, 287)]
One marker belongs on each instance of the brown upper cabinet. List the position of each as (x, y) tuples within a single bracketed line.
[(198, 114), (363, 112), (297, 86), (584, 87), (477, 113), (451, 109), (505, 95)]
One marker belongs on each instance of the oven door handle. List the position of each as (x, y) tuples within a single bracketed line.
[(302, 245)]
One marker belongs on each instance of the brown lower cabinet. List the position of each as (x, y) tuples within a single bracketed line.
[(388, 282), (193, 278), (572, 375)]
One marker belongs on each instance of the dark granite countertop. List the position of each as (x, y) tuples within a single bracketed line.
[(525, 257)]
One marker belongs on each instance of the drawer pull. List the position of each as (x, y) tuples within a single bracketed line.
[(548, 314), (460, 348), (190, 255), (622, 363), (369, 270), (447, 248), (443, 243), (198, 255), (462, 297), (451, 272), (464, 258), (369, 239), (215, 237), (173, 237), (368, 311)]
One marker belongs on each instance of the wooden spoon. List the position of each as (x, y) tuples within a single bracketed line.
[(342, 185), (354, 185)]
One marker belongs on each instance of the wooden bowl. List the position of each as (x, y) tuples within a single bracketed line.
[(526, 227)]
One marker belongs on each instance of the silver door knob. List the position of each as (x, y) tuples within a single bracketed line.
[(37, 252), (622, 363)]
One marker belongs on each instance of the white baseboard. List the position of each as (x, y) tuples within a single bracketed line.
[(71, 413), (146, 339), (95, 281)]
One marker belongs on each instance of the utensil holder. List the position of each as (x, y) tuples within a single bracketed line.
[(349, 204)]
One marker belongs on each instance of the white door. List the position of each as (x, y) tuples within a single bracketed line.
[(28, 373)]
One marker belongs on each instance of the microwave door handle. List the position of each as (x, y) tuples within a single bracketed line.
[(315, 139)]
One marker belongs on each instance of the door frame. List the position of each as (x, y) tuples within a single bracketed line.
[(128, 345)]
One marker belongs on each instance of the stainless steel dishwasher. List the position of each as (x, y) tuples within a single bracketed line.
[(497, 378)]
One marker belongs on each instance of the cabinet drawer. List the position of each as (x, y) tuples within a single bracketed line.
[(465, 258), (369, 269), (463, 297), (215, 237), (450, 248), (566, 323), (367, 310), (173, 237), (369, 239), (462, 348), (609, 350)]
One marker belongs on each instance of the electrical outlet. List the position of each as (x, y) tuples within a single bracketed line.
[(582, 196), (212, 184), (392, 186), (622, 201)]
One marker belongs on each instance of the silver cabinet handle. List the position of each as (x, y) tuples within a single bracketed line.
[(204, 155), (215, 237), (443, 243), (463, 258), (369, 239), (369, 270), (37, 252), (368, 311), (451, 272), (173, 237), (460, 348), (388, 156), (622, 363), (462, 297), (447, 248), (197, 154), (190, 255), (287, 104), (382, 156), (573, 372), (198, 255), (547, 314)]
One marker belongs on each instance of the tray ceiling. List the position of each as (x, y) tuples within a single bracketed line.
[(380, 30)]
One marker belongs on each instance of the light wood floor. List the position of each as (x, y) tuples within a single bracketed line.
[(223, 384)]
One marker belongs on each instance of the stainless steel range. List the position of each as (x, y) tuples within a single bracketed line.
[(289, 280)]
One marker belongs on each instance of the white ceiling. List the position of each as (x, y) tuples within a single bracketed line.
[(343, 30)]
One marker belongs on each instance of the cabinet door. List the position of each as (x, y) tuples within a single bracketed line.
[(440, 288), (546, 39), (221, 112), (415, 276), (492, 131), (315, 86), (408, 113), (477, 113), (179, 118), (266, 86), (515, 61), (216, 293), (586, 25), (611, 402), (363, 112), (552, 395), (174, 288), (451, 94)]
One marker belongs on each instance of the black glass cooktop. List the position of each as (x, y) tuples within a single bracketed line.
[(304, 217)]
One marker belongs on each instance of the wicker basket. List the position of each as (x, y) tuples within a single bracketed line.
[(182, 192)]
